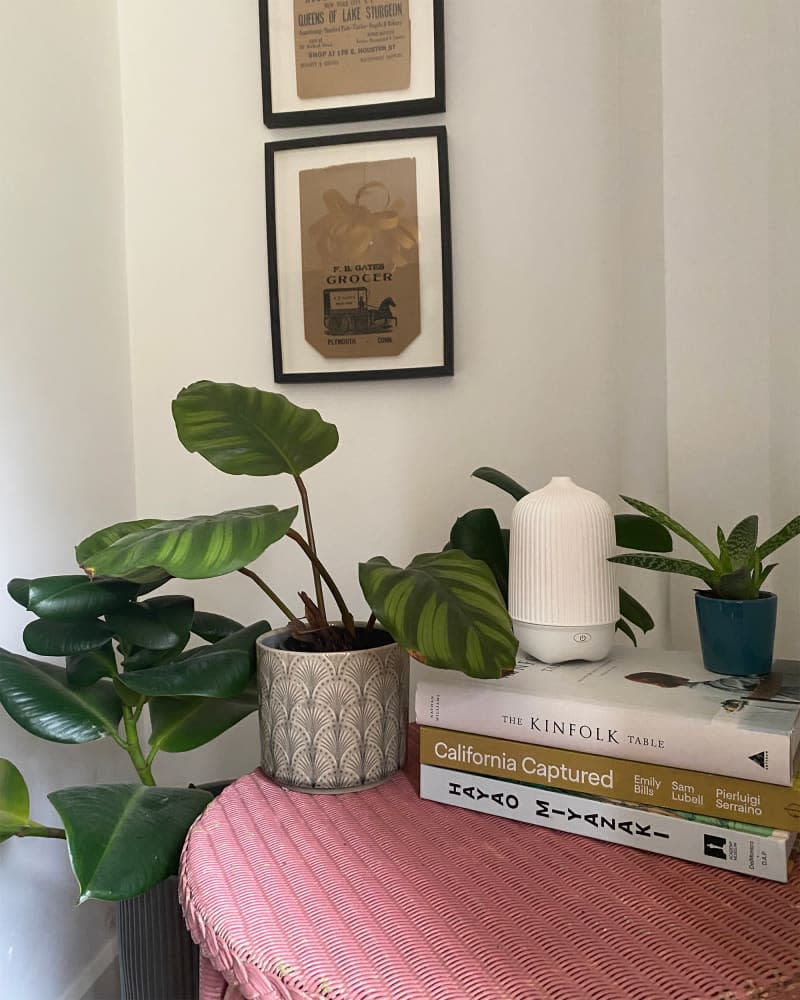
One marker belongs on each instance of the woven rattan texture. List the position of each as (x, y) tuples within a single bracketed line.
[(377, 895)]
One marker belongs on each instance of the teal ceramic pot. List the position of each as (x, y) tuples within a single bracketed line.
[(736, 637)]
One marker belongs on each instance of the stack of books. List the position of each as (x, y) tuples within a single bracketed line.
[(645, 748)]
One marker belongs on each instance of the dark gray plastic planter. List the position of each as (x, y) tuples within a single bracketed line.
[(157, 958)]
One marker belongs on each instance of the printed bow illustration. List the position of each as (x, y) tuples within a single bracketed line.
[(351, 233)]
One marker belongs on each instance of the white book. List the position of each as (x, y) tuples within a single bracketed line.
[(647, 705), (756, 851)]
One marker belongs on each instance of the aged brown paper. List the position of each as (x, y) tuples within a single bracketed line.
[(360, 257), (351, 46)]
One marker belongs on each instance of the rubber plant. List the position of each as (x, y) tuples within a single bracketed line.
[(444, 607), (736, 572), (479, 534), (126, 660)]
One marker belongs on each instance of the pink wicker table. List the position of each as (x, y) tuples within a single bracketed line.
[(377, 895)]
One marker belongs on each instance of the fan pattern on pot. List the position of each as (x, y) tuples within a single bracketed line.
[(333, 721)]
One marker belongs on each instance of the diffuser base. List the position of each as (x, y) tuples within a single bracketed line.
[(560, 643)]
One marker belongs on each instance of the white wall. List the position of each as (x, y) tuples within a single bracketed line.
[(532, 123), (731, 151), (66, 448)]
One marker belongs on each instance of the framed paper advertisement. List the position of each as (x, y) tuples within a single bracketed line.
[(358, 235), (329, 61)]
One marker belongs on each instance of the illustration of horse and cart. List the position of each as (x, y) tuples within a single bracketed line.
[(347, 311)]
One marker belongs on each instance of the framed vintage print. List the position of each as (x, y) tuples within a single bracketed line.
[(329, 61), (358, 239)]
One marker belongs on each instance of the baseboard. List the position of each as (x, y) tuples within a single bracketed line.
[(82, 983)]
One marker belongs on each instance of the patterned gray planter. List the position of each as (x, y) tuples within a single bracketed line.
[(332, 721)]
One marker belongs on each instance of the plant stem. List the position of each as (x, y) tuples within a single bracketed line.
[(134, 748), (347, 618), (37, 830), (268, 591), (315, 565)]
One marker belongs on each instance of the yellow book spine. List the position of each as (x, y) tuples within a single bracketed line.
[(654, 785)]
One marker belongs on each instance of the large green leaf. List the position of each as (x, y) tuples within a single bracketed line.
[(635, 531), (213, 627), (663, 564), (478, 533), (39, 698), (220, 670), (149, 576), (245, 431), (446, 609), (14, 800), (741, 543), (71, 596), (54, 637), (181, 724), (774, 542), (631, 609), (161, 623), (502, 481), (85, 669), (196, 548), (124, 839)]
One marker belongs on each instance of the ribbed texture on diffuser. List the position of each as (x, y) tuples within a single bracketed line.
[(559, 574), (158, 959)]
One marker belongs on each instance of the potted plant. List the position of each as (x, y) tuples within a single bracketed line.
[(735, 615), (333, 690), (479, 534), (126, 660)]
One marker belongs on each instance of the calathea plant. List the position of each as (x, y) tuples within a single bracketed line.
[(445, 607), (126, 656), (479, 534), (736, 572), (126, 663)]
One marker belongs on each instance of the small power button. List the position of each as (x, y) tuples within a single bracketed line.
[(581, 637)]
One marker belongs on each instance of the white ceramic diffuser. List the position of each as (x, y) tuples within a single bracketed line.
[(562, 593)]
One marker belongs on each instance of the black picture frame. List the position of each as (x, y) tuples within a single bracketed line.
[(373, 106), (439, 340)]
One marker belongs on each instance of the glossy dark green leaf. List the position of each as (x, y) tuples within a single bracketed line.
[(624, 627), (181, 724), (70, 597), (502, 481), (124, 839), (635, 531), (478, 533), (741, 542), (55, 637), (85, 551), (213, 627), (86, 669), (774, 542), (160, 623), (197, 548), (664, 564), (446, 609), (39, 698), (14, 800), (219, 670), (246, 431), (139, 658), (631, 609)]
